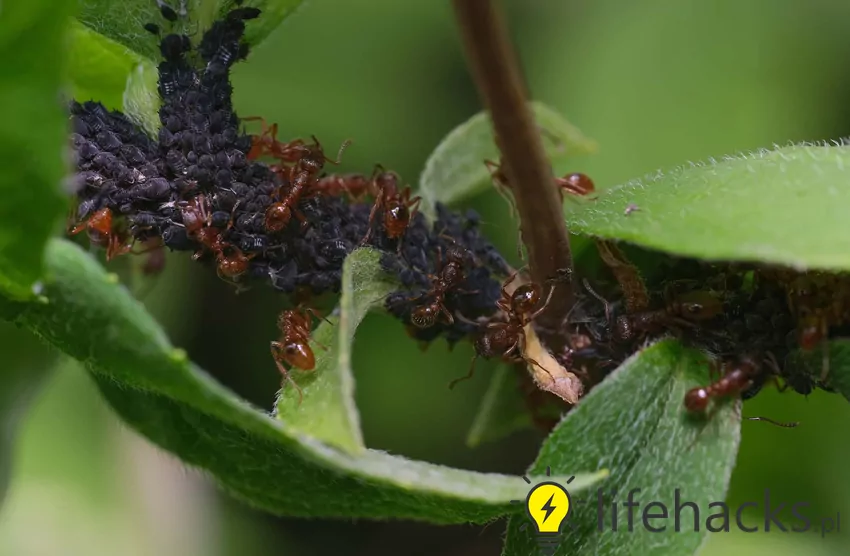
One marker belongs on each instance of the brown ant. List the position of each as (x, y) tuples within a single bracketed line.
[(101, 231), (506, 339), (305, 170), (293, 347), (399, 208), (266, 143), (452, 273), (231, 262), (734, 381), (744, 374), (356, 186), (195, 214), (684, 309), (577, 184)]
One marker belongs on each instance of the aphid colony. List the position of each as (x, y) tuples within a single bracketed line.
[(260, 209), (264, 210)]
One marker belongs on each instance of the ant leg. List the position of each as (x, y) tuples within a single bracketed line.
[(465, 320), (151, 247), (599, 298), (275, 347), (317, 315), (510, 279), (715, 371), (447, 314), (467, 292), (413, 204), (468, 375), (531, 361), (345, 145), (789, 425), (519, 243), (495, 170), (378, 202), (79, 227)]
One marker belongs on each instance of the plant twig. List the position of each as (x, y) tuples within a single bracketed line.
[(494, 66)]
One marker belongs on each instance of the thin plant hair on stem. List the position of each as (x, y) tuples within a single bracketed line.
[(495, 68)]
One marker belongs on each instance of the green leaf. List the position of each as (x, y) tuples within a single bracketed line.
[(122, 20), (455, 170), (635, 424), (140, 101), (328, 412), (502, 410), (707, 211), (26, 363), (258, 458), (810, 364), (108, 72), (33, 137)]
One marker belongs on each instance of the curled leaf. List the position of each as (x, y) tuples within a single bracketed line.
[(153, 387), (327, 411)]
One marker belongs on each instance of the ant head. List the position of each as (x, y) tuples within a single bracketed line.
[(524, 298), (459, 255), (425, 316), (384, 178), (700, 305), (577, 184), (398, 213)]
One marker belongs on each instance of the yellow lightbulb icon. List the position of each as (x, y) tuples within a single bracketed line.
[(548, 505)]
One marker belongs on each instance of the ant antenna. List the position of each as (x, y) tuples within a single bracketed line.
[(463, 319), (599, 298), (790, 425), (345, 145)]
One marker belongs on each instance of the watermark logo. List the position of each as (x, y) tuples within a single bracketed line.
[(548, 505)]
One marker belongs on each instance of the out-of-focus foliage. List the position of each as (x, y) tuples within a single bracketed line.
[(33, 135)]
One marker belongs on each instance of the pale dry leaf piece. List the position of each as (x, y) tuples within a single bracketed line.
[(548, 374)]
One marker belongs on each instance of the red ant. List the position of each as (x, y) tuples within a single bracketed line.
[(99, 227), (450, 275), (356, 186), (195, 214), (684, 310), (576, 184), (230, 261), (506, 339), (266, 143), (399, 207), (305, 170), (743, 375), (293, 347)]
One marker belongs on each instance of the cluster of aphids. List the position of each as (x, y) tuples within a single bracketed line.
[(752, 319), (264, 210)]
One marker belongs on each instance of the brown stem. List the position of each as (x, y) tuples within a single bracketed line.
[(494, 66)]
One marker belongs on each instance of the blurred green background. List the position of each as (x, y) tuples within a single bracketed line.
[(656, 83)]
